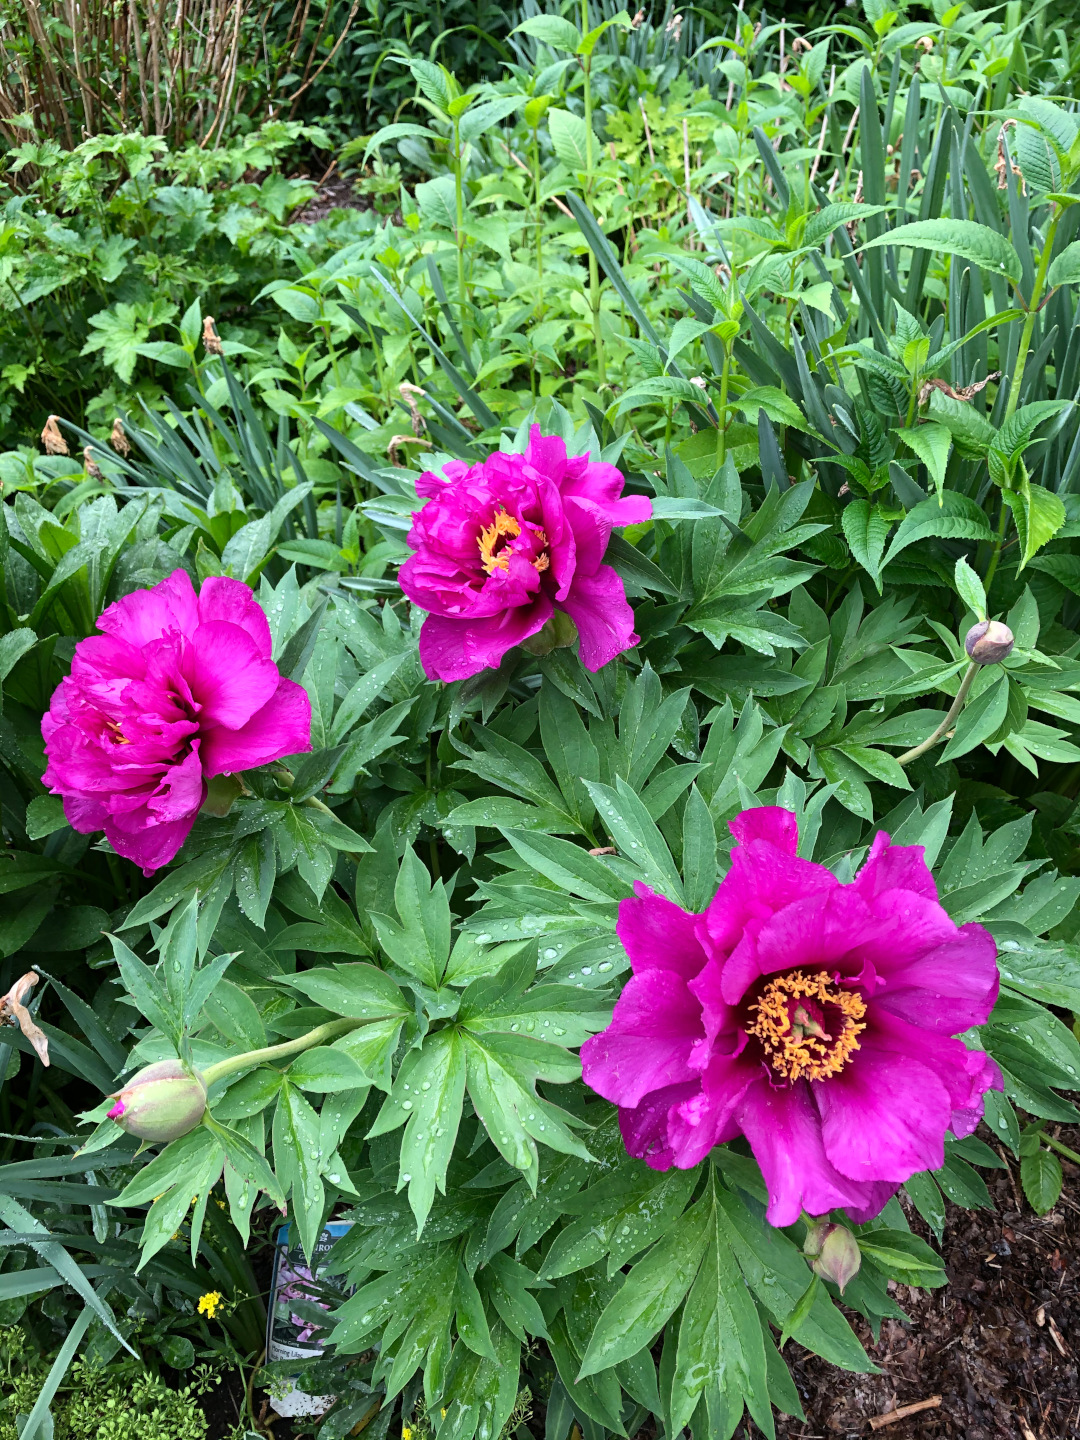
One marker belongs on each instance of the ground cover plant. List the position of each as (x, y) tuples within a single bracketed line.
[(549, 732)]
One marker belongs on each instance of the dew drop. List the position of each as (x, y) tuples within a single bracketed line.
[(586, 969), (426, 1085), (483, 939), (405, 1179), (550, 954), (406, 1104), (604, 966)]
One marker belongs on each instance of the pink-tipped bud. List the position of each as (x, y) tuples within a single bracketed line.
[(162, 1102), (833, 1253), (989, 642)]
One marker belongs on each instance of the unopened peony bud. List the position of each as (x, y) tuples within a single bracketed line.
[(989, 642), (833, 1253), (161, 1102)]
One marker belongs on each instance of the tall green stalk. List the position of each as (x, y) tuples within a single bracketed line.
[(594, 269), (459, 232), (539, 222), (1018, 375)]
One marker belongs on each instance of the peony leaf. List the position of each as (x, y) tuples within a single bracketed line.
[(650, 1293)]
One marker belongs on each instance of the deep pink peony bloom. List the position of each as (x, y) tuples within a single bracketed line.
[(178, 688), (504, 544), (812, 1017)]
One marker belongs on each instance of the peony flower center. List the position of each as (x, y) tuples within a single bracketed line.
[(494, 541), (808, 1026)]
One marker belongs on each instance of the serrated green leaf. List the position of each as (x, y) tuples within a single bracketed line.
[(966, 238)]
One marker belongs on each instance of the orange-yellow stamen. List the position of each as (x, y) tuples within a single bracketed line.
[(114, 726), (489, 537), (493, 555), (789, 1021)]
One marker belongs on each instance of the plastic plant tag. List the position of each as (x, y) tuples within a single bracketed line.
[(292, 1331)]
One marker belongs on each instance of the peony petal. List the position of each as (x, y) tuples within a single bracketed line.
[(894, 867), (281, 727), (785, 1134), (814, 930), (223, 599), (147, 615), (456, 649), (762, 880), (767, 822), (153, 846), (647, 1045), (598, 606), (884, 1116), (721, 1020), (644, 1126), (230, 681), (944, 987), (657, 934), (706, 1119), (85, 816), (966, 1074)]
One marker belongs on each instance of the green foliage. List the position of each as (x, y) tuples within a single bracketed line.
[(685, 255)]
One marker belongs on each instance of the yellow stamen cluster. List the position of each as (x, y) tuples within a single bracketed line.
[(797, 1046), (489, 537)]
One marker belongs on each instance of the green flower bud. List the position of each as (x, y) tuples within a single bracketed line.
[(989, 642), (833, 1252), (162, 1102), (557, 633)]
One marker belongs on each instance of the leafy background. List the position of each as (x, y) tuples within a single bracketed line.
[(678, 247)]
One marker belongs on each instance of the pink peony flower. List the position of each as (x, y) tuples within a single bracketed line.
[(178, 688), (812, 1017), (505, 544)]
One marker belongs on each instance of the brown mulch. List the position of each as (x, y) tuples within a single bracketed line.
[(334, 193), (999, 1344)]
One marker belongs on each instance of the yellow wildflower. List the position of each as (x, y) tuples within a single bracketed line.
[(210, 1303), (406, 1432)]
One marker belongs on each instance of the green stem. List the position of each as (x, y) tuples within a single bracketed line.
[(330, 1031), (1060, 1148), (991, 571), (947, 723), (539, 223), (721, 435), (459, 222), (594, 269), (1029, 320)]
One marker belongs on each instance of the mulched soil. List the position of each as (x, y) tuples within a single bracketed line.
[(998, 1345), (334, 193)]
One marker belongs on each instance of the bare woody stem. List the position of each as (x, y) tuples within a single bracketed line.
[(946, 724), (330, 1031)]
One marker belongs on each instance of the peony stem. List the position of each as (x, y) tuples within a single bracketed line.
[(330, 1031), (946, 724), (1060, 1148)]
